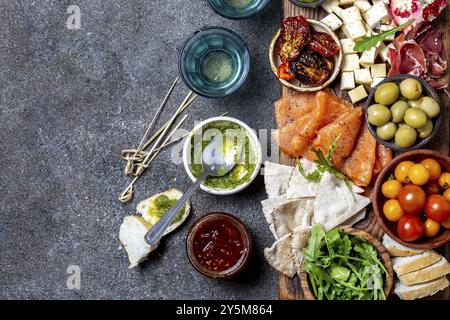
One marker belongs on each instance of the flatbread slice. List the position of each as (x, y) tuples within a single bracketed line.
[(355, 219), (335, 203), (292, 215), (276, 178), (299, 186), (300, 237), (280, 257)]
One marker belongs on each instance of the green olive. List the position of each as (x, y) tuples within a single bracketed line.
[(398, 110), (414, 103), (387, 93), (411, 88), (430, 106), (402, 98), (426, 130), (415, 118), (378, 114), (387, 131), (405, 136)]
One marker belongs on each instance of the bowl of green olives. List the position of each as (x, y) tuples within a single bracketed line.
[(403, 112)]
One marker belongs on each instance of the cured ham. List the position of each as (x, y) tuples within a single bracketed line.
[(419, 54)]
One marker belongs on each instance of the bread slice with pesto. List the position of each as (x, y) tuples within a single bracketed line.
[(153, 208), (131, 235)]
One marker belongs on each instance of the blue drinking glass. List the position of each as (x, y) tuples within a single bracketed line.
[(237, 9), (214, 62)]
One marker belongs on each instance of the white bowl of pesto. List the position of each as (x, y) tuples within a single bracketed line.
[(242, 174)]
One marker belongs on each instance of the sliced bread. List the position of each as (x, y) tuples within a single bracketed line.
[(403, 265), (396, 249), (131, 235), (420, 290), (144, 206), (436, 270)]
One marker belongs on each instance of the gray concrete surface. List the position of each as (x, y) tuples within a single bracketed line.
[(70, 101)]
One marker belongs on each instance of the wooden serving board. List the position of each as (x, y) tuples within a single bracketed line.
[(289, 288)]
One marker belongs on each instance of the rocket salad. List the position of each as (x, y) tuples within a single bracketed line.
[(343, 267)]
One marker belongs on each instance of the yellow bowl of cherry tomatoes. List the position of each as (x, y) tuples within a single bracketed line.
[(411, 199)]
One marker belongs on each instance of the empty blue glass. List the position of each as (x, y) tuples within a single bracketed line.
[(214, 62), (237, 9)]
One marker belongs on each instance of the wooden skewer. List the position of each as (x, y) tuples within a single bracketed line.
[(127, 194)]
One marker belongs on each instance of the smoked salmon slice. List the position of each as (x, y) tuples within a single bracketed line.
[(359, 166), (383, 157), (346, 127), (294, 106)]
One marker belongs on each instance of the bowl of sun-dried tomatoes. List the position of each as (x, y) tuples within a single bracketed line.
[(305, 54)]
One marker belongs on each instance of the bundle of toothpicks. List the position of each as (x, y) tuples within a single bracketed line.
[(139, 159)]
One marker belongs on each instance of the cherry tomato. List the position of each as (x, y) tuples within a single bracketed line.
[(432, 187), (391, 188), (410, 228), (324, 44), (392, 210), (446, 223), (418, 174), (431, 227), (433, 167), (284, 72), (411, 198), (446, 194), (437, 208), (401, 171), (444, 180)]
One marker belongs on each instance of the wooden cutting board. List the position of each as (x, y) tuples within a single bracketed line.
[(289, 289)]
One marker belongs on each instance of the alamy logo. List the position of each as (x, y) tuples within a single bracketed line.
[(74, 278), (74, 20)]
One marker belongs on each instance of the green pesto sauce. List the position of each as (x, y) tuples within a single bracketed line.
[(162, 204), (240, 173)]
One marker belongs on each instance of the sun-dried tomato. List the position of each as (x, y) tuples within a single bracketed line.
[(284, 71), (324, 44), (312, 69), (295, 35)]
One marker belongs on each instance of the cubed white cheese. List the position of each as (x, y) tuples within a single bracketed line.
[(385, 27), (383, 52), (351, 15), (332, 21), (329, 5), (376, 81), (368, 56), (351, 62), (347, 81), (362, 76), (347, 45), (375, 14), (338, 11), (378, 70), (357, 94), (363, 5), (346, 2), (355, 30)]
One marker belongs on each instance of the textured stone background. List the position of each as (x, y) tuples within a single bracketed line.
[(70, 101)]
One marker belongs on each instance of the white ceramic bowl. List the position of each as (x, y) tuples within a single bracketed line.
[(295, 84), (254, 141)]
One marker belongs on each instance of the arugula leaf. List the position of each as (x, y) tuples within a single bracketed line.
[(312, 176), (325, 163), (312, 251), (343, 267), (366, 43)]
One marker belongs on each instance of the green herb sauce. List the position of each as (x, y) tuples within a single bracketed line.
[(161, 205), (240, 173)]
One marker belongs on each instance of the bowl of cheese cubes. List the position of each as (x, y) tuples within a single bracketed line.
[(403, 112), (353, 20)]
